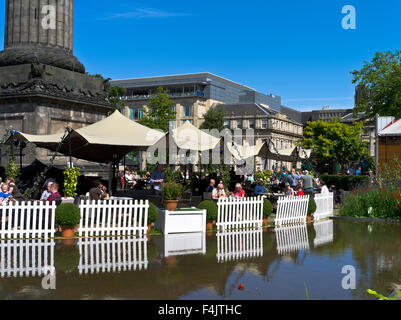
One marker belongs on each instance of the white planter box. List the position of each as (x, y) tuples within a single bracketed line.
[(181, 221)]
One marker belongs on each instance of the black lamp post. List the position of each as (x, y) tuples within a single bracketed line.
[(69, 145)]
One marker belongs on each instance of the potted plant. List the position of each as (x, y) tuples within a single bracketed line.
[(152, 215), (171, 192), (267, 210), (211, 212), (311, 208), (68, 216)]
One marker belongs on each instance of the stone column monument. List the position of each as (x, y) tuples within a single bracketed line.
[(43, 87)]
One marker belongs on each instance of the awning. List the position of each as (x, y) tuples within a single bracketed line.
[(189, 137), (394, 129), (245, 152), (107, 140)]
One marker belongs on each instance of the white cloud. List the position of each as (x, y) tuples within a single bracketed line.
[(143, 13)]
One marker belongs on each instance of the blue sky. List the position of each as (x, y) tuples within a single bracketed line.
[(295, 49)]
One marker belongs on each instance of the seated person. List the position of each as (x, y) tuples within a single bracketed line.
[(298, 191), (97, 192), (260, 189), (219, 192), (55, 196), (289, 192), (211, 186), (238, 192), (47, 193), (5, 195)]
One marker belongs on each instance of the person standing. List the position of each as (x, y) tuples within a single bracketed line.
[(211, 186), (156, 179), (307, 183)]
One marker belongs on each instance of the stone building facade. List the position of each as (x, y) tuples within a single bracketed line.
[(268, 125), (43, 86)]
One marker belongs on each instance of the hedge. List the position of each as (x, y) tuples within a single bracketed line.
[(345, 182), (211, 208)]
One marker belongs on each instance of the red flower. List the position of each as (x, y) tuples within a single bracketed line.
[(241, 286)]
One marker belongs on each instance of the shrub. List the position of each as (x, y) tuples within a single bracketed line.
[(345, 182), (152, 213), (311, 206), (172, 191), (264, 176), (211, 208), (267, 208), (382, 203), (68, 214)]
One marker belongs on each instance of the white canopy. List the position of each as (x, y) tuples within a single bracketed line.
[(245, 152), (393, 129), (189, 137)]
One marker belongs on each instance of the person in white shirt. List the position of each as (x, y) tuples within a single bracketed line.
[(47, 193), (324, 189)]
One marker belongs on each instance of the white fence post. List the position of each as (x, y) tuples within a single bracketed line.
[(112, 254), (324, 206), (292, 238), (113, 218), (27, 220), (239, 244), (240, 213), (291, 210)]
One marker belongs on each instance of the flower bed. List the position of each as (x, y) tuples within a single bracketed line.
[(382, 203)]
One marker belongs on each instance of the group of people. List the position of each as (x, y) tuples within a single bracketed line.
[(220, 192), (52, 191), (9, 192)]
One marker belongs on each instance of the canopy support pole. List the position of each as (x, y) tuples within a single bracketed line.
[(110, 177)]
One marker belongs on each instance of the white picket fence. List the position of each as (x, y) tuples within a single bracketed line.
[(239, 244), (324, 232), (292, 238), (112, 255), (291, 210), (113, 217), (179, 244), (26, 258), (239, 213), (27, 220), (324, 206)]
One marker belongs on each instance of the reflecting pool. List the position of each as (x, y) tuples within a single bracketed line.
[(277, 263)]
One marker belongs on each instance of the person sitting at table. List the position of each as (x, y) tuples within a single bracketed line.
[(260, 189), (289, 192), (298, 191), (47, 193), (219, 192), (55, 196), (5, 194), (211, 186), (238, 192), (97, 192)]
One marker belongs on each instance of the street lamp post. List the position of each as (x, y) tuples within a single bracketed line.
[(69, 145)]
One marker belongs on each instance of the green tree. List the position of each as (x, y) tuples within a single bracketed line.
[(160, 111), (334, 140), (114, 96), (214, 119), (379, 85)]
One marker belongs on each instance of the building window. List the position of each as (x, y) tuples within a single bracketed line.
[(226, 123), (188, 111), (251, 124), (264, 124), (136, 113), (239, 124)]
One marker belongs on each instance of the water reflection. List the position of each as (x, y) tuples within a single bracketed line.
[(239, 244), (292, 238), (26, 258), (272, 265), (324, 232), (184, 244), (112, 254)]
